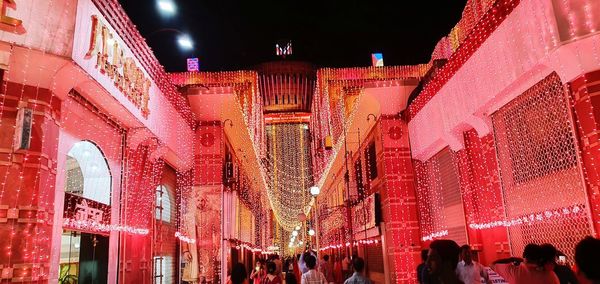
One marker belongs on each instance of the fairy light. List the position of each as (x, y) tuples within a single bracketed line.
[(39, 173), (435, 235)]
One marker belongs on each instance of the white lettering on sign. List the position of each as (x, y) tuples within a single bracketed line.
[(83, 212)]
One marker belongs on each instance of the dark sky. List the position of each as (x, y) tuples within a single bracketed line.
[(238, 34)]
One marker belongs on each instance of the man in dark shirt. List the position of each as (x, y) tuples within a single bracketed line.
[(549, 258), (422, 272)]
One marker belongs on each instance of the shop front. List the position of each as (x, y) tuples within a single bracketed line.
[(366, 219), (86, 146)]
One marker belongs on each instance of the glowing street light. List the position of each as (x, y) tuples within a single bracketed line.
[(167, 7), (315, 190), (311, 232), (294, 233), (185, 42), (298, 228)]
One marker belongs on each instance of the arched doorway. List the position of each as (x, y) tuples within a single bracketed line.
[(86, 218)]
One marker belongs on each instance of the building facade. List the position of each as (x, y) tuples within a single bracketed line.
[(114, 171)]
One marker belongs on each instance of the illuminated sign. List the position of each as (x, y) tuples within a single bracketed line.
[(112, 61), (9, 22), (83, 211), (366, 214), (377, 59), (193, 65)]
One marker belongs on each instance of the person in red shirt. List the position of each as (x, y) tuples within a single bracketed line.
[(337, 270), (530, 271), (272, 275)]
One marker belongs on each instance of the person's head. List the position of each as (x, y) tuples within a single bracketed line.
[(271, 267), (587, 260), (532, 254), (311, 261), (258, 263), (466, 254), (443, 256), (238, 274), (548, 254), (326, 257), (424, 254), (358, 264)]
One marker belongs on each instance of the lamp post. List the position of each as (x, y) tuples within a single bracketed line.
[(314, 191)]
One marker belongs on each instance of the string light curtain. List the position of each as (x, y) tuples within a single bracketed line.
[(441, 209), (290, 171), (540, 172)]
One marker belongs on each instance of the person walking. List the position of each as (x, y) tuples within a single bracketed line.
[(337, 270), (258, 273), (325, 268), (346, 266), (272, 276), (468, 270), (358, 265), (312, 276)]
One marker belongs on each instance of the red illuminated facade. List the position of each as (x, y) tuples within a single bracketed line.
[(109, 164)]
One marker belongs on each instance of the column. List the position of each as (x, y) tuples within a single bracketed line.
[(398, 202), (142, 175), (585, 91), (481, 192), (27, 181)]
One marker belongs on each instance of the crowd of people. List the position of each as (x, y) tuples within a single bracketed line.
[(304, 269), (447, 263)]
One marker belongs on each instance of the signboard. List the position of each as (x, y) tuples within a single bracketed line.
[(119, 66), (193, 65), (103, 54), (85, 214), (377, 59), (366, 214)]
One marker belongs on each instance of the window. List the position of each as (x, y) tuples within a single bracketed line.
[(371, 157), (161, 269), (163, 204), (87, 173)]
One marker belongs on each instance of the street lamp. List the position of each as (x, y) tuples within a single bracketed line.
[(167, 8), (315, 190), (185, 42)]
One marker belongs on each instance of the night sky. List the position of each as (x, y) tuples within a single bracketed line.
[(238, 34)]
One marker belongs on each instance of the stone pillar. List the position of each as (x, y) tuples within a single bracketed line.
[(212, 222), (585, 91), (27, 184), (482, 196), (398, 202), (142, 175)]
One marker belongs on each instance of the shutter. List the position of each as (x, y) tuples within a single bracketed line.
[(452, 206)]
